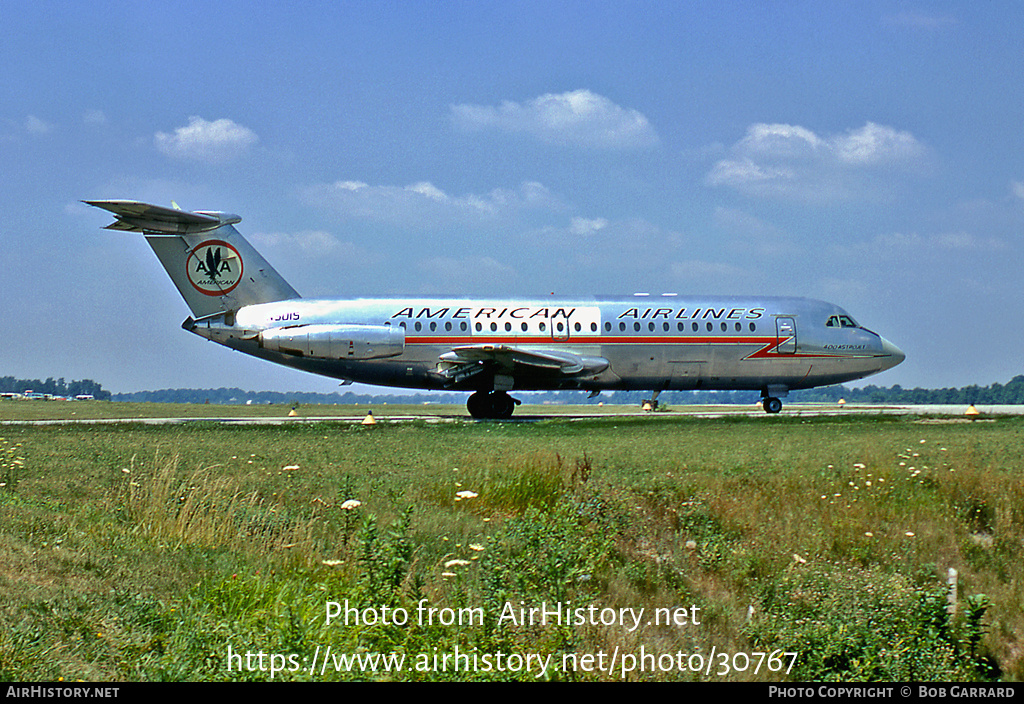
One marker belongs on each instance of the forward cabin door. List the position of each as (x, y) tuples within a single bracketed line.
[(785, 331)]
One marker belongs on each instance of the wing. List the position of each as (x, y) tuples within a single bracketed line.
[(463, 363)]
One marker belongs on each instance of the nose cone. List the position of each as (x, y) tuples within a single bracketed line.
[(891, 355)]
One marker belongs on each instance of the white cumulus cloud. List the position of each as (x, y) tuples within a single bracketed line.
[(213, 142), (424, 204), (790, 160), (586, 226), (36, 126), (577, 118)]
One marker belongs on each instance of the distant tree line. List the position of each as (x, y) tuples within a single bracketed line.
[(53, 387), (1011, 393), (994, 394)]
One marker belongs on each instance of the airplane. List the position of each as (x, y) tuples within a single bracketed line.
[(491, 347)]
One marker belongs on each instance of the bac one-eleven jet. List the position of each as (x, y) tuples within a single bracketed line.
[(492, 347)]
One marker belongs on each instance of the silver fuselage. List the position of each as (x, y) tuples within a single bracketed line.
[(648, 342)]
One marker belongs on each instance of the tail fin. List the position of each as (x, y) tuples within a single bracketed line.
[(213, 266)]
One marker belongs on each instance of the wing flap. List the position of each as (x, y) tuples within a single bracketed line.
[(507, 358)]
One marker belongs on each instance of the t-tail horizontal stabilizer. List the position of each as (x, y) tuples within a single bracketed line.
[(214, 268)]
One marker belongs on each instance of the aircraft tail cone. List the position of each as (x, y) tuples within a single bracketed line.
[(369, 419)]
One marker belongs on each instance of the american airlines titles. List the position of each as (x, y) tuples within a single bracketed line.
[(465, 313), (693, 313), (528, 312)]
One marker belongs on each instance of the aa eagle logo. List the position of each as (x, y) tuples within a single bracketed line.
[(214, 267)]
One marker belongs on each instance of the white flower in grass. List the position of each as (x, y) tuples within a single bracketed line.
[(351, 504)]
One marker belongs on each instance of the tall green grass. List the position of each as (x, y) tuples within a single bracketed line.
[(139, 552)]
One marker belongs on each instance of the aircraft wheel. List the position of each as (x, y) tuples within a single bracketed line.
[(495, 404), (478, 405), (772, 405), (502, 404)]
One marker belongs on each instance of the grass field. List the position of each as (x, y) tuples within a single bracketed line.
[(212, 552)]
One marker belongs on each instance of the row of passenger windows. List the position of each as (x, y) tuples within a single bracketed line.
[(680, 327), (578, 327), (463, 326), (493, 327)]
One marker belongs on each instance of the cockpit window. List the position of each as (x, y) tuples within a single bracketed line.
[(841, 321)]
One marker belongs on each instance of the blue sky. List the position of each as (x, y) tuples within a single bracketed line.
[(868, 154)]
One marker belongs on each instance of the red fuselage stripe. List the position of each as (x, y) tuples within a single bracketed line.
[(766, 351)]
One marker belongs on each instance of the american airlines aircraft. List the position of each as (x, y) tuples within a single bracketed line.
[(491, 347)]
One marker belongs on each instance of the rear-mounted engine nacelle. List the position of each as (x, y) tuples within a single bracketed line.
[(335, 341)]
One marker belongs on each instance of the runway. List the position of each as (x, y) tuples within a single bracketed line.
[(536, 414)]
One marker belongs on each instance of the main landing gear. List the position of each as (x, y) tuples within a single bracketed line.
[(493, 404), (771, 404)]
